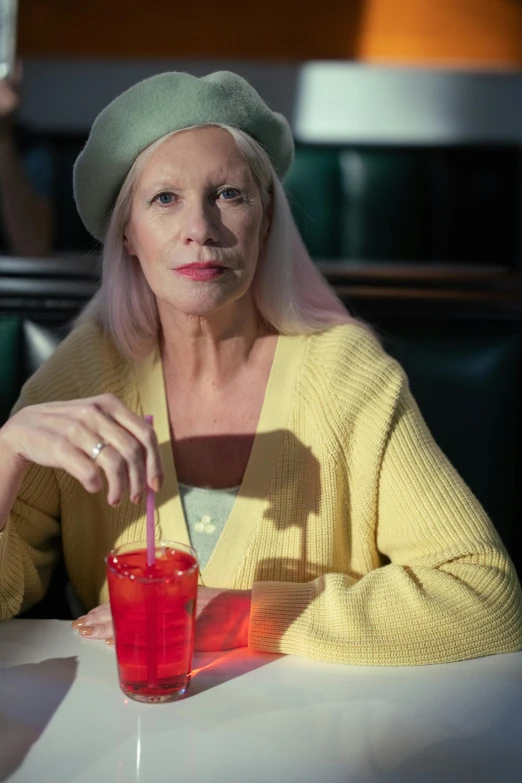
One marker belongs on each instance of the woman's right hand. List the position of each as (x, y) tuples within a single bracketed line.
[(64, 435)]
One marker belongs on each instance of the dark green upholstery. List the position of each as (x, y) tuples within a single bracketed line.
[(24, 345), (70, 233), (314, 190), (11, 375), (389, 206), (369, 203)]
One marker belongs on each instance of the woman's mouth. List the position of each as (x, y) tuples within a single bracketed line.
[(201, 271)]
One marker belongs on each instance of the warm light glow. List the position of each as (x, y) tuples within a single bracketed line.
[(208, 666), (445, 32)]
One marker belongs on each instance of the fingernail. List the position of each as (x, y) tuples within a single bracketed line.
[(115, 503), (155, 484), (109, 642), (79, 622), (136, 499), (87, 630)]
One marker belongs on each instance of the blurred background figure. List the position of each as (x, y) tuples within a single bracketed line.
[(26, 180)]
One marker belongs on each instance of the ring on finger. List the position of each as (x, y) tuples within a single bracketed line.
[(96, 450)]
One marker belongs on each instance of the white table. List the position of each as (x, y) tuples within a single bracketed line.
[(253, 718)]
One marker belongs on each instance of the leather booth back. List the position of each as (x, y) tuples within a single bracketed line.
[(24, 346), (371, 203)]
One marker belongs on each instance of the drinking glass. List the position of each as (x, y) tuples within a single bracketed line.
[(154, 614)]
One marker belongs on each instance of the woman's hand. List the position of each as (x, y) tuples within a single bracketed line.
[(96, 624), (222, 618), (64, 435)]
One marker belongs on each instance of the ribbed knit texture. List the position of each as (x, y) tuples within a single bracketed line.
[(369, 548)]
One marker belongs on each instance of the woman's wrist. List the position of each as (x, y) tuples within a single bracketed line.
[(12, 459), (12, 471)]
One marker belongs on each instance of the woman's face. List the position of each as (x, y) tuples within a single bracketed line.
[(197, 222)]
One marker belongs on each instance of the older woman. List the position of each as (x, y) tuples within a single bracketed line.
[(286, 447)]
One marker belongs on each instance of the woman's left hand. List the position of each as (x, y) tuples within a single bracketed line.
[(222, 618)]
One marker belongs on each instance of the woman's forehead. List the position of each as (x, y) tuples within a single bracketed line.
[(200, 152)]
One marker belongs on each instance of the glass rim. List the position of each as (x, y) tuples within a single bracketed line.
[(141, 545)]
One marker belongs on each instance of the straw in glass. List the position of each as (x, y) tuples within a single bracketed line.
[(151, 547), (150, 591)]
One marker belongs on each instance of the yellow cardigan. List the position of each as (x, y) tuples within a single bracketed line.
[(361, 542)]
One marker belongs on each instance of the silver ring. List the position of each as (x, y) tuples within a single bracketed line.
[(96, 450)]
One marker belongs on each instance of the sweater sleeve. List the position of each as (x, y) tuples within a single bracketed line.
[(29, 543), (449, 592), (85, 364)]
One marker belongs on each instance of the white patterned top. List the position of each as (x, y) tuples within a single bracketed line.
[(206, 512)]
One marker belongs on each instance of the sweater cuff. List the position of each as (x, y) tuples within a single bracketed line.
[(4, 532), (9, 599), (275, 608)]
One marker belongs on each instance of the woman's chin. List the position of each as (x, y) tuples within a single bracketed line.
[(199, 306)]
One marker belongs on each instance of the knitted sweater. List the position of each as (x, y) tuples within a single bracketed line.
[(359, 540)]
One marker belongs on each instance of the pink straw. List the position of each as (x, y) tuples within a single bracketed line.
[(150, 597), (151, 544)]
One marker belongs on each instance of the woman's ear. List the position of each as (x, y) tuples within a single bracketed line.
[(129, 247), (267, 221)]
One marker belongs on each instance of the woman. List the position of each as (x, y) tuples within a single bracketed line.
[(348, 537)]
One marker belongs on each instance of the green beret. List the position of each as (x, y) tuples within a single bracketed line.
[(155, 107)]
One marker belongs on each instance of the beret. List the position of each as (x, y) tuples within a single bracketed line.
[(155, 107)]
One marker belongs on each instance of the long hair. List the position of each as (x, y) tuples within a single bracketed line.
[(289, 292)]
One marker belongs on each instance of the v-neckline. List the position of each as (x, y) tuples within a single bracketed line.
[(251, 498)]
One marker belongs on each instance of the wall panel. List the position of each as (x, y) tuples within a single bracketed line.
[(476, 32), (289, 30), (441, 31)]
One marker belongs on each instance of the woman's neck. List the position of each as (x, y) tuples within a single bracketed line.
[(211, 351)]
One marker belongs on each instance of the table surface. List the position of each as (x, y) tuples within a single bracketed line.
[(253, 717)]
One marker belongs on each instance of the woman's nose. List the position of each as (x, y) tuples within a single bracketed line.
[(199, 224)]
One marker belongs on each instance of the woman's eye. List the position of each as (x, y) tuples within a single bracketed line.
[(165, 198), (229, 194)]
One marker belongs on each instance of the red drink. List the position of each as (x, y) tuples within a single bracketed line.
[(154, 611)]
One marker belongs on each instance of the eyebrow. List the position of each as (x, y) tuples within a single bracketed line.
[(241, 175), (164, 184)]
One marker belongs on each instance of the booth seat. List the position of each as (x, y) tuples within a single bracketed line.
[(465, 373), (24, 345)]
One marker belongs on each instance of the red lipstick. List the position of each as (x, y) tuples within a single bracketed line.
[(203, 271)]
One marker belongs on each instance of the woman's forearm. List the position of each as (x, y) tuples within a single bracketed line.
[(12, 472)]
